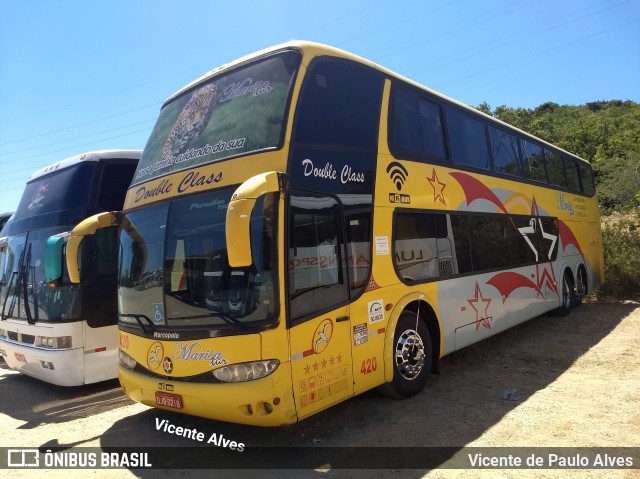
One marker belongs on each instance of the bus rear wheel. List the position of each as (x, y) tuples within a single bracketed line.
[(581, 287), (567, 295), (412, 357)]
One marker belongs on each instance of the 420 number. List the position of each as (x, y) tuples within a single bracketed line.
[(369, 365)]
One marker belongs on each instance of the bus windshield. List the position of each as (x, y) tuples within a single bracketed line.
[(209, 122), (174, 256), (23, 277), (58, 198)]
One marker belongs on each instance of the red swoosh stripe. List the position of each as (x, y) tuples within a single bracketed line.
[(508, 282)]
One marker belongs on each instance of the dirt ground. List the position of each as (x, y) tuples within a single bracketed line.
[(575, 382)]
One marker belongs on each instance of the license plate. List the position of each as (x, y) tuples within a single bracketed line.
[(173, 401), (20, 357)]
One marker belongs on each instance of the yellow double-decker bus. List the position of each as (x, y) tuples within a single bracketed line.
[(305, 225)]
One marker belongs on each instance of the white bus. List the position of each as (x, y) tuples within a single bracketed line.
[(50, 328)]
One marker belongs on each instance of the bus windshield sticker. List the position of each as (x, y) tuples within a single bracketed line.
[(158, 313)]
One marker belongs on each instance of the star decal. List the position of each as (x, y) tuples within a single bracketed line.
[(315, 366), (547, 278), (438, 187), (306, 369), (535, 227), (480, 319), (324, 363), (332, 360)]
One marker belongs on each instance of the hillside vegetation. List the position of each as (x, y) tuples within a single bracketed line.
[(607, 133)]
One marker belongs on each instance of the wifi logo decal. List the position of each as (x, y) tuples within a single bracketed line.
[(397, 173)]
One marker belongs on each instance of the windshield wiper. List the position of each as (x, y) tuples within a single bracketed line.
[(6, 297), (138, 318), (25, 286), (14, 274), (231, 321)]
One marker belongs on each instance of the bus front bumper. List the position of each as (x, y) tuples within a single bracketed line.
[(61, 367), (262, 402)]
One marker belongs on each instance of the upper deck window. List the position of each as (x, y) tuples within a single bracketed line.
[(505, 151), (571, 172), (586, 178), (555, 168), (417, 125), (234, 113), (533, 161), (467, 139)]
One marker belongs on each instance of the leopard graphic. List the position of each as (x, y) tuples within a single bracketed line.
[(193, 119)]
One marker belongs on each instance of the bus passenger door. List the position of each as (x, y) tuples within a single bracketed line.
[(320, 335)]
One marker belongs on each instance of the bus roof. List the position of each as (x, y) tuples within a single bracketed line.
[(133, 155), (312, 49)]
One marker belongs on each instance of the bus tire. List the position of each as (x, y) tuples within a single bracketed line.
[(412, 357), (566, 295), (581, 287)]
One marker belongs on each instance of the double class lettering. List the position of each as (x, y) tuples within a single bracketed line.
[(163, 188), (190, 180), (347, 175), (194, 178)]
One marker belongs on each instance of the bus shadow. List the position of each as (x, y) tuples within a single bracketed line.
[(455, 409), (36, 402)]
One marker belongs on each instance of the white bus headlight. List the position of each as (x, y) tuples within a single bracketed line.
[(60, 342), (236, 373), (126, 360)]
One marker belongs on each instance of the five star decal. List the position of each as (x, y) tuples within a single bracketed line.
[(478, 302), (438, 187)]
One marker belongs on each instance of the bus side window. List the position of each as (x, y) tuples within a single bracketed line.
[(505, 152), (534, 164), (417, 125), (586, 178), (571, 170), (422, 249), (555, 168), (317, 273), (467, 140)]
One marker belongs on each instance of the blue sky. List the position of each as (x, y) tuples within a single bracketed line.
[(79, 75)]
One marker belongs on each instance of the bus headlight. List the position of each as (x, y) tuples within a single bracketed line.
[(126, 360), (60, 342), (236, 373)]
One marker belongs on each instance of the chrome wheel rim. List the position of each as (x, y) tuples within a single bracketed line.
[(409, 354)]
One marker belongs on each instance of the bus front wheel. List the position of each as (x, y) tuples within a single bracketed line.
[(412, 357)]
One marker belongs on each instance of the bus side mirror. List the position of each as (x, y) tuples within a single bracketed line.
[(86, 227), (238, 220), (53, 258)]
